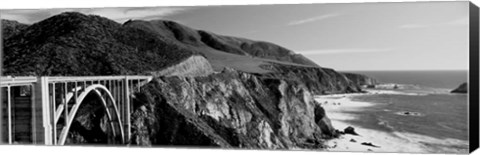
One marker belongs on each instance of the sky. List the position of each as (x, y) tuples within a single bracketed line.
[(352, 36)]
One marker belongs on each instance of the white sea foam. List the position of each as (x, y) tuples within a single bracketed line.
[(339, 108)]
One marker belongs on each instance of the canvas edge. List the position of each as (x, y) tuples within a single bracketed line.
[(473, 77), (1, 74)]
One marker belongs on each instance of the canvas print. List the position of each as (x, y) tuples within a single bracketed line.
[(358, 77)]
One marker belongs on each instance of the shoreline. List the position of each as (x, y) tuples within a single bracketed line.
[(339, 108)]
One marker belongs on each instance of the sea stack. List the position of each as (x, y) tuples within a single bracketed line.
[(463, 88)]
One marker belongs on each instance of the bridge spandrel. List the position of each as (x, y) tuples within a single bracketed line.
[(54, 101)]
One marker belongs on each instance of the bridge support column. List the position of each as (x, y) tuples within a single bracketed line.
[(41, 113), (126, 108)]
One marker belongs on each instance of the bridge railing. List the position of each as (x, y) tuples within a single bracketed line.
[(95, 78), (43, 100), (6, 84), (6, 81)]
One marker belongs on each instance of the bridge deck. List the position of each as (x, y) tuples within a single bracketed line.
[(32, 106)]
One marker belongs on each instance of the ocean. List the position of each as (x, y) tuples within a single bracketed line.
[(450, 79), (428, 109)]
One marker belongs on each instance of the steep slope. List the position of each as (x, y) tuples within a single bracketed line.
[(250, 56), (216, 48), (252, 48), (361, 79), (10, 27), (317, 80), (76, 44), (243, 109), (192, 66), (261, 99)]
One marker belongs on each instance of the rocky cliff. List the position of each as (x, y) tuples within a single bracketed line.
[(361, 79), (76, 44), (209, 90), (463, 88), (318, 80), (192, 66), (228, 109)]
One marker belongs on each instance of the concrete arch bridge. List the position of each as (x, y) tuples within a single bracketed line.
[(41, 110)]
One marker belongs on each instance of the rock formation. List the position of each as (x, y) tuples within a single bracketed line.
[(229, 109), (361, 80), (208, 90), (192, 66), (318, 80), (463, 88)]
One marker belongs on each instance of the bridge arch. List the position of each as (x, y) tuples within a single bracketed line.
[(109, 104)]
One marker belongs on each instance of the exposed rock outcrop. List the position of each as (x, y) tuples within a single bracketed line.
[(463, 88), (192, 66), (350, 130), (318, 80), (90, 125), (261, 99), (229, 109), (361, 80)]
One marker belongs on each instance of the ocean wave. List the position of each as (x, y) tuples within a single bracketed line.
[(410, 89), (394, 92), (435, 145)]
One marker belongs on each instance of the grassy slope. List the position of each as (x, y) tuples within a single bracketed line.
[(223, 51), (76, 44)]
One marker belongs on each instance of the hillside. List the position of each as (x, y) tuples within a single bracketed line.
[(216, 47), (76, 44), (10, 28), (361, 79), (208, 89)]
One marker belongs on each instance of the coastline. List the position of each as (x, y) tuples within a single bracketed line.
[(341, 111)]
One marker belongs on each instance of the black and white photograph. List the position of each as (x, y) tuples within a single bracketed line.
[(384, 77)]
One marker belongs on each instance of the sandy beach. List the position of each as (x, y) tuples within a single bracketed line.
[(339, 108)]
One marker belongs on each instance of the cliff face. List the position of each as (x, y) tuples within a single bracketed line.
[(228, 109), (261, 99), (90, 125), (360, 79), (463, 88), (192, 66), (318, 80)]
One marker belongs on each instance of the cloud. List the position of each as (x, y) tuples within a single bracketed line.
[(117, 14), (342, 51), (313, 19), (463, 21)]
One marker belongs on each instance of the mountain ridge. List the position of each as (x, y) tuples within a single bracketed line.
[(221, 91), (228, 44)]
